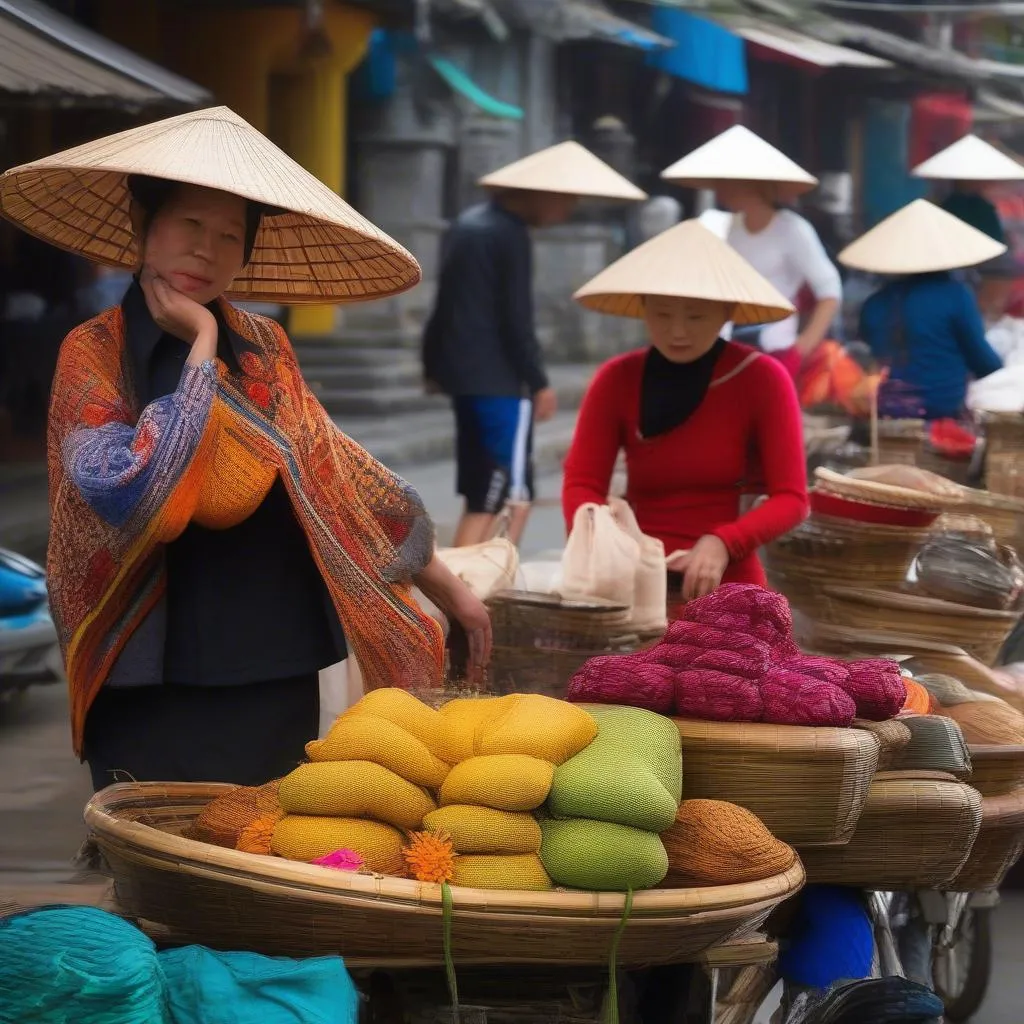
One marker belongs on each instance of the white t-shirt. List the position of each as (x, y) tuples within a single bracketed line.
[(789, 254)]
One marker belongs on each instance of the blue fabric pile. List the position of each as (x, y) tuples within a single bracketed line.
[(79, 965)]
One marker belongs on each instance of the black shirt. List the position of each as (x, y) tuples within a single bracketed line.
[(246, 604), (480, 339)]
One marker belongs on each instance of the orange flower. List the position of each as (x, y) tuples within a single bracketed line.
[(255, 837), (430, 856)]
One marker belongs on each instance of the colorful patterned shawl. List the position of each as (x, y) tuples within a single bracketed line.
[(125, 481)]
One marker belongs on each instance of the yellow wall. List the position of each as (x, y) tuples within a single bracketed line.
[(250, 60)]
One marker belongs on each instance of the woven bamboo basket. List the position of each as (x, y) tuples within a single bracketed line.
[(957, 470), (528, 670), (1004, 514), (900, 442), (826, 551), (808, 785), (979, 631), (936, 745), (916, 832), (1004, 433), (998, 846), (550, 622), (231, 900), (997, 769), (893, 739), (943, 495), (1004, 473)]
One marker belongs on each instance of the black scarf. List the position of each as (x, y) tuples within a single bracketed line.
[(671, 392)]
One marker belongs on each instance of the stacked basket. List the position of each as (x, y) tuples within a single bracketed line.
[(1004, 433)]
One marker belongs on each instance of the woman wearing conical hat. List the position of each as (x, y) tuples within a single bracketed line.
[(751, 178), (924, 324), (480, 343), (973, 166), (215, 540), (700, 420)]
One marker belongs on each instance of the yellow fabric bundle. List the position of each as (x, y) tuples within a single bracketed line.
[(367, 737), (485, 830), (498, 871), (463, 722), (307, 838), (506, 782), (354, 789), (223, 821), (401, 708), (553, 730), (713, 842)]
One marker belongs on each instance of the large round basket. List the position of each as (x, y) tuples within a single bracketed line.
[(231, 900), (1003, 513), (945, 495), (1004, 473), (1004, 433), (893, 738), (979, 631), (998, 846), (997, 768), (914, 833), (808, 785), (900, 442)]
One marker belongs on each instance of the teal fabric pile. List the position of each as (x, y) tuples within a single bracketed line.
[(79, 965)]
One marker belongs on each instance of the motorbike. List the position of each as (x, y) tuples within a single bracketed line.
[(29, 653)]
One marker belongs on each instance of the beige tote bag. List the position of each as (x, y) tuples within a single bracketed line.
[(600, 558), (484, 568), (651, 589)]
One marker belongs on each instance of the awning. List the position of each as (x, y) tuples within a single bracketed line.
[(43, 53), (579, 20), (775, 40)]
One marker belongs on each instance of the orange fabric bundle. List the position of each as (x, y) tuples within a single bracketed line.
[(919, 701), (988, 721), (717, 843), (243, 811), (830, 376)]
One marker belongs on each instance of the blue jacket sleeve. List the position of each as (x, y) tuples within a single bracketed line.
[(979, 355)]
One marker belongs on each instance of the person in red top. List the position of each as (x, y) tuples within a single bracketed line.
[(702, 421)]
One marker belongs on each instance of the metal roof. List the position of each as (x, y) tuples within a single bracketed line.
[(43, 53)]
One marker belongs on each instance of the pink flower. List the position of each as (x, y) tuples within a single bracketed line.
[(342, 860)]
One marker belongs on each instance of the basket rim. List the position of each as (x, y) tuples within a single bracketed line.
[(845, 486), (995, 751), (912, 602), (557, 601), (976, 498), (188, 856)]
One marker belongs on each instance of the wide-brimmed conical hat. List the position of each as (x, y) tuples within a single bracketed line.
[(921, 238), (739, 155), (970, 159), (315, 248), (568, 169), (687, 261)]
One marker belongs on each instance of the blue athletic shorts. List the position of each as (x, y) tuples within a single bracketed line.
[(494, 451)]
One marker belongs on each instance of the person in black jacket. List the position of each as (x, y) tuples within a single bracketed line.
[(480, 346)]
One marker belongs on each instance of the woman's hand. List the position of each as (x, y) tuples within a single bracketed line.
[(703, 566), (180, 316)]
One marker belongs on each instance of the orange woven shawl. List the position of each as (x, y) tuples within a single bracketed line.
[(125, 481)]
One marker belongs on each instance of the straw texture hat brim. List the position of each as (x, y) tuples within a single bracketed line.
[(314, 248), (739, 155), (566, 169), (921, 238), (970, 159), (687, 261)]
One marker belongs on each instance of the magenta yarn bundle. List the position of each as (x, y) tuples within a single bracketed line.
[(733, 658)]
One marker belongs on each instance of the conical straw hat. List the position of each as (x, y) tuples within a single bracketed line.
[(687, 261), (739, 155), (318, 250), (568, 169), (920, 239), (970, 159)]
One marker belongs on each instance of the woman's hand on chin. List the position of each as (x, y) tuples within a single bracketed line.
[(181, 316), (702, 567)]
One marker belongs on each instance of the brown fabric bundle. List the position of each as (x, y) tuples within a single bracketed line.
[(988, 721), (717, 843), (223, 821)]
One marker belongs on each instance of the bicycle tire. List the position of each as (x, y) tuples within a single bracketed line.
[(965, 1004)]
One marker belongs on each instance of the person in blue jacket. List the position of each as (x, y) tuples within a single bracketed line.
[(925, 325)]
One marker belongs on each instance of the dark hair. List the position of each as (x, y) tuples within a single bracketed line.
[(152, 194)]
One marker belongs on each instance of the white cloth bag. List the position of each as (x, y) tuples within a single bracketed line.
[(485, 568), (600, 558), (651, 583)]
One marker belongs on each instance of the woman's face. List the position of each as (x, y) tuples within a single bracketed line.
[(683, 330), (196, 241), (739, 196)]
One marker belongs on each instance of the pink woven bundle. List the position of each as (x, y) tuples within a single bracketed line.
[(748, 608), (827, 670), (690, 645), (877, 688), (717, 697), (791, 698), (624, 679)]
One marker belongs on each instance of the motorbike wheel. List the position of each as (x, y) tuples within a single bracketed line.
[(961, 973)]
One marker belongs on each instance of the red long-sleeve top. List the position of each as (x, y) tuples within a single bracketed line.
[(745, 437)]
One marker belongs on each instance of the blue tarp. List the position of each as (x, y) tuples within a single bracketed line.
[(705, 53)]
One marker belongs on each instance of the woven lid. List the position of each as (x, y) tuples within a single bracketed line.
[(738, 155), (920, 239), (319, 250), (970, 159), (568, 169), (687, 261)]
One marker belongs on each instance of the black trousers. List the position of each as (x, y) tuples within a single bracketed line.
[(246, 734)]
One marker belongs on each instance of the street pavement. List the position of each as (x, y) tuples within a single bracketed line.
[(43, 788)]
